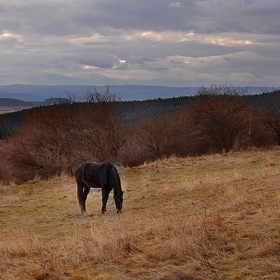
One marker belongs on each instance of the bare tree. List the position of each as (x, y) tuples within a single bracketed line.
[(221, 116), (160, 136), (97, 127), (55, 138), (270, 102)]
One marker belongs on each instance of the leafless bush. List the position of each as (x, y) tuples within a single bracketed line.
[(225, 122), (54, 139), (133, 153)]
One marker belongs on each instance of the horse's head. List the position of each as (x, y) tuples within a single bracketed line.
[(119, 201)]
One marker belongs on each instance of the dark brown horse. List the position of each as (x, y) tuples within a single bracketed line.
[(99, 175)]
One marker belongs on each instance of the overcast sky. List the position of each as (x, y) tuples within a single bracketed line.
[(140, 42)]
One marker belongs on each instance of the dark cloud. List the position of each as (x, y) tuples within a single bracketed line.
[(159, 41), (100, 60)]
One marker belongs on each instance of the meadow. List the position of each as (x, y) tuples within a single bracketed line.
[(195, 218)]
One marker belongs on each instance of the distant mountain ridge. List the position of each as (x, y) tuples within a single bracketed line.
[(13, 102), (35, 93), (5, 102)]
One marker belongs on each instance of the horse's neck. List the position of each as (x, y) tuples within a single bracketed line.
[(117, 188)]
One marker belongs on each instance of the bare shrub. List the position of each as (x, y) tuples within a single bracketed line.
[(162, 137), (55, 139), (225, 122), (39, 146), (97, 132), (133, 153)]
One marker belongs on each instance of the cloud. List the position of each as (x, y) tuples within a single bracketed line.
[(175, 5), (144, 41), (100, 60)]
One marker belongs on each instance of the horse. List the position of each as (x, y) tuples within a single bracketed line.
[(99, 175)]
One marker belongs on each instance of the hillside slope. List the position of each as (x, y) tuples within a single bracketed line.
[(210, 217), (8, 105), (13, 102)]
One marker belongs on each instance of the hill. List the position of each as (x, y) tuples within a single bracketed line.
[(13, 102), (34, 93), (8, 105), (134, 110), (210, 217)]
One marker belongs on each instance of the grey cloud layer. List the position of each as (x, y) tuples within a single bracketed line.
[(183, 43), (83, 17)]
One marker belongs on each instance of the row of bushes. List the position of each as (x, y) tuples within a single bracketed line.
[(55, 139)]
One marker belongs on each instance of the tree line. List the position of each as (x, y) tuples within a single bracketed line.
[(49, 140)]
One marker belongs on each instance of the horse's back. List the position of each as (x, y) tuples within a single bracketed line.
[(94, 174)]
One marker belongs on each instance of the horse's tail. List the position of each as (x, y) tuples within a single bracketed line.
[(80, 184)]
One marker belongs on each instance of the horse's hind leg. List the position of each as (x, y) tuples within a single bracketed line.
[(85, 194), (82, 192), (105, 195)]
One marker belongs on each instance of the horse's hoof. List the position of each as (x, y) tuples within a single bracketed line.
[(119, 212)]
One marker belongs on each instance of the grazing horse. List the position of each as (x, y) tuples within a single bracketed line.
[(99, 175)]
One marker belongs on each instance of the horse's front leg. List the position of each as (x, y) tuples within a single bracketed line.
[(105, 195)]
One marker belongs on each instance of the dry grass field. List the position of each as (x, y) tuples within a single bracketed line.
[(210, 217)]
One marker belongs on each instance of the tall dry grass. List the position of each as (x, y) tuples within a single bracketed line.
[(211, 217)]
